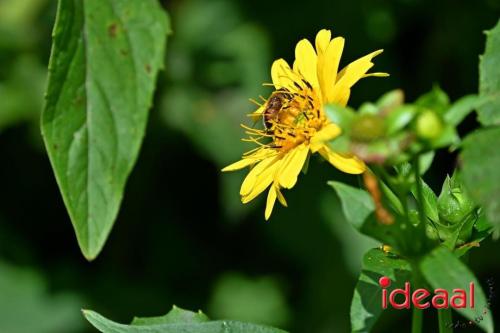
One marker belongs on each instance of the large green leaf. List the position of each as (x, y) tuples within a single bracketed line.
[(176, 321), (489, 79), (481, 160), (366, 302), (442, 269), (105, 58)]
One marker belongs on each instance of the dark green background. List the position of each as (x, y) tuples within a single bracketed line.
[(182, 237)]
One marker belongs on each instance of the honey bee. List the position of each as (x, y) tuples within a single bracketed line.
[(274, 105)]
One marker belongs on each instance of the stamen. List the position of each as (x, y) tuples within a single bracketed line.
[(255, 102)]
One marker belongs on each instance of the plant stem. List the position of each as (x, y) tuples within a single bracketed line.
[(420, 194), (417, 320), (445, 321)]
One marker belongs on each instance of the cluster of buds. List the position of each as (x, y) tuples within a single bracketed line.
[(390, 131)]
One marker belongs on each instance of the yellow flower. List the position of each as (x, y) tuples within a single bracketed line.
[(294, 119)]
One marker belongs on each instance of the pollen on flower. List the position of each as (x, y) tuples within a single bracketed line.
[(290, 118)]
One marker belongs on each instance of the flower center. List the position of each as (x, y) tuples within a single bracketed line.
[(292, 118)]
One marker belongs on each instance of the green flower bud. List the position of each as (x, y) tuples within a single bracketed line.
[(367, 128), (429, 125), (454, 204)]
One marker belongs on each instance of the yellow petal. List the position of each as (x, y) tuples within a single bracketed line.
[(353, 72), (322, 40), (262, 181), (291, 166), (271, 199), (328, 66), (347, 163), (343, 97), (305, 62), (282, 75), (327, 133)]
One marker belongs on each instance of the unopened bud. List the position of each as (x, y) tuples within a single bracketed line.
[(454, 204), (428, 125)]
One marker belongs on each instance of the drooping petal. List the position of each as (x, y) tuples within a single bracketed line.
[(281, 198), (347, 163), (291, 166), (250, 159), (255, 174), (322, 40), (305, 62), (328, 66), (271, 199)]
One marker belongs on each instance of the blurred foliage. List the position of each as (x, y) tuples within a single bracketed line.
[(213, 67), (182, 226), (27, 306), (256, 300)]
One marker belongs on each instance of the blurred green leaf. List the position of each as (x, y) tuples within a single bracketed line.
[(366, 302), (442, 269), (21, 94), (207, 96), (461, 108), (356, 203), (436, 100), (489, 79), (176, 321), (258, 300), (481, 158), (18, 28), (102, 74), (399, 118), (27, 306)]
